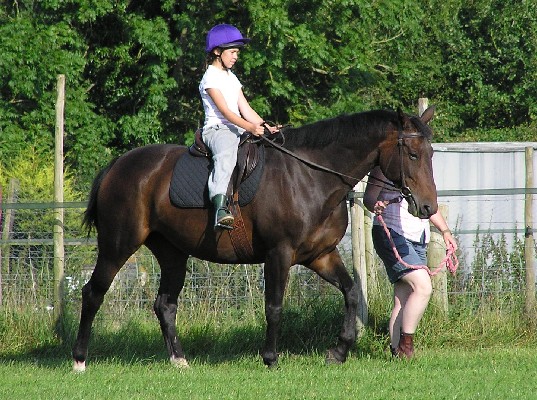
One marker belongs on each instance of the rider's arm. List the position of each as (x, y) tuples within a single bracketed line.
[(220, 102), (247, 112)]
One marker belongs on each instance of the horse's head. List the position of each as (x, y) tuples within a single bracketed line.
[(406, 160)]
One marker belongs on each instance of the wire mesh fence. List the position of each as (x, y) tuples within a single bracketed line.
[(492, 264)]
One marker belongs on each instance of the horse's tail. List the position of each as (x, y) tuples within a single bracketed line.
[(89, 220)]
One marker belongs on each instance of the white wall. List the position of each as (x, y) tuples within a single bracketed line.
[(483, 166)]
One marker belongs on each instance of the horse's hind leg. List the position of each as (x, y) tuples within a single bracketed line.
[(173, 270), (331, 268), (92, 297)]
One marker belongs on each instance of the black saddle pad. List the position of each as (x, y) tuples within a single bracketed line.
[(188, 188)]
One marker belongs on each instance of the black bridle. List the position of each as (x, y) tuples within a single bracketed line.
[(405, 190)]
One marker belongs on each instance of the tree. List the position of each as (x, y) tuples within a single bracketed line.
[(34, 52), (133, 67), (489, 60)]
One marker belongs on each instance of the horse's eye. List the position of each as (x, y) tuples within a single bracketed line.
[(413, 156)]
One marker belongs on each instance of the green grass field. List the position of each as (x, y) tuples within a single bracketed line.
[(488, 353), (436, 374)]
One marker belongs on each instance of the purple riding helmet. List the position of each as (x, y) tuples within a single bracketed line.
[(224, 36)]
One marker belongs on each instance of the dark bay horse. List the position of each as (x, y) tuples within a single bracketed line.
[(298, 216)]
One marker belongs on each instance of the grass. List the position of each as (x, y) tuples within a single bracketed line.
[(435, 374), (486, 352)]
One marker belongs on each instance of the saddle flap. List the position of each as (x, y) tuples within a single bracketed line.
[(248, 158), (188, 188)]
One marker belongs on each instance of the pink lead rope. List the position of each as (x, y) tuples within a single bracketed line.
[(451, 262)]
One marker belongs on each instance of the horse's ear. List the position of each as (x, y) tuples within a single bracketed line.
[(404, 121), (427, 115)]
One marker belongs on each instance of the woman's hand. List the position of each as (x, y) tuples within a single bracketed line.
[(380, 206), (258, 130), (449, 239)]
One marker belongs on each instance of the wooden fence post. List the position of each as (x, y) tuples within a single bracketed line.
[(528, 240), (9, 216), (423, 104), (436, 252), (370, 255), (59, 253), (358, 260)]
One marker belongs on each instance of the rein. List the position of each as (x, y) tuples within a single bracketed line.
[(308, 162), (450, 261), (405, 190)]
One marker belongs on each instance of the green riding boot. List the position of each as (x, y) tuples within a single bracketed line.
[(223, 218)]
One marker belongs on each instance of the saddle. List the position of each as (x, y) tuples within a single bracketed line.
[(188, 188), (247, 157)]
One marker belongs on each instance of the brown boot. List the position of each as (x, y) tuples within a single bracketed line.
[(405, 349)]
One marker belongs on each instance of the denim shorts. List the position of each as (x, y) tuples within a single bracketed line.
[(413, 253)]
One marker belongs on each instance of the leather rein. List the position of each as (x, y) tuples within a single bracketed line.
[(404, 190)]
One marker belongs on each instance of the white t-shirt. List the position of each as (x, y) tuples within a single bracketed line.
[(229, 85), (398, 218)]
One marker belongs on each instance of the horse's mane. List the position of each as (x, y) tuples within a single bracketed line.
[(346, 128)]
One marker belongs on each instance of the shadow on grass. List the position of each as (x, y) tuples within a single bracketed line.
[(310, 328)]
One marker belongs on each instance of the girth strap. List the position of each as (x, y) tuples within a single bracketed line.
[(239, 239), (247, 159)]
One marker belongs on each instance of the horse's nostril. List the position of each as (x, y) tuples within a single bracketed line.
[(428, 208)]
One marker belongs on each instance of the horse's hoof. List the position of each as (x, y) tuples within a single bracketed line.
[(179, 362), (272, 366), (270, 363), (79, 366), (331, 358)]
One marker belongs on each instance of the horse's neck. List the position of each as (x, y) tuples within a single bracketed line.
[(352, 161)]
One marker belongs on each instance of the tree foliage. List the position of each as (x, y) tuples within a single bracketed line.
[(133, 67)]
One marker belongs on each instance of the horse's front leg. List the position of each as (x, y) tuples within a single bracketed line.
[(276, 270), (331, 268), (165, 308)]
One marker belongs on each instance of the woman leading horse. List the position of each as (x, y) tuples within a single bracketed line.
[(298, 216)]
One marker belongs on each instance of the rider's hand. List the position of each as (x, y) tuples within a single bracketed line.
[(258, 129), (273, 129)]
